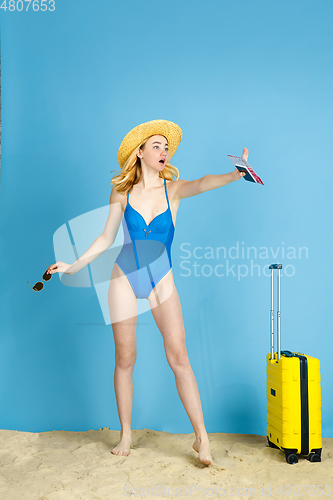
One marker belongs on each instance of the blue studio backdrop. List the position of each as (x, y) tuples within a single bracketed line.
[(75, 79)]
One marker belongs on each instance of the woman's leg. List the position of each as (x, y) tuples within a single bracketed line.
[(123, 307), (169, 320)]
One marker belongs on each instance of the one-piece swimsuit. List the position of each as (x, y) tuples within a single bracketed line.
[(145, 257)]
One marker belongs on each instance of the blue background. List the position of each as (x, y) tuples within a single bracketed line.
[(231, 74)]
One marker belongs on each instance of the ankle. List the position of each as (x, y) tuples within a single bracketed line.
[(125, 433), (201, 435)]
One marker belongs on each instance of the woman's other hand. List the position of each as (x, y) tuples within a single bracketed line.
[(236, 173), (59, 267)]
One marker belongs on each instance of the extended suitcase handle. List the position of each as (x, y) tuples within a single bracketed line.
[(278, 267)]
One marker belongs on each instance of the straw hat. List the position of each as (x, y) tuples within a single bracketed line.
[(133, 139)]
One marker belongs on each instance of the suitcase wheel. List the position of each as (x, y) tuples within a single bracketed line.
[(314, 457), (292, 458)]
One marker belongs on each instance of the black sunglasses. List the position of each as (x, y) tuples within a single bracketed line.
[(39, 285)]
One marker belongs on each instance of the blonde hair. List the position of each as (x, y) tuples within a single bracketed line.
[(131, 172)]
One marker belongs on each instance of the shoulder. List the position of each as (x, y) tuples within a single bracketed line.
[(175, 184), (116, 197), (175, 187)]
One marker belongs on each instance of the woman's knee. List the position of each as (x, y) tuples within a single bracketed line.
[(125, 360), (178, 360)]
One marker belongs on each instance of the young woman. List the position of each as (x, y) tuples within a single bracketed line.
[(143, 268)]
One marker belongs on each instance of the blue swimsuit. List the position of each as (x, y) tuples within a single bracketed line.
[(146, 254)]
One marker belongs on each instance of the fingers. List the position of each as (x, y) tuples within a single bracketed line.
[(53, 269), (245, 154), (240, 172)]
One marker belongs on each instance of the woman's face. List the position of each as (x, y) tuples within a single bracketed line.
[(155, 153)]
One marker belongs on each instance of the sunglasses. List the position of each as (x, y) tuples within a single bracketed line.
[(39, 285)]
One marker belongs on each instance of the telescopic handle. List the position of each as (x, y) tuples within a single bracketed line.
[(278, 267)]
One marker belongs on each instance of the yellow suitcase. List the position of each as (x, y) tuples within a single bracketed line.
[(293, 397)]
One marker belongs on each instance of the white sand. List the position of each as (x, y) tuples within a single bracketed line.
[(63, 465)]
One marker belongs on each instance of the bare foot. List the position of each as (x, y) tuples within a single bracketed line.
[(123, 447), (201, 446)]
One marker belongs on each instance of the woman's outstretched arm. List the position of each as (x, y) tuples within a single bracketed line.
[(102, 242), (187, 189)]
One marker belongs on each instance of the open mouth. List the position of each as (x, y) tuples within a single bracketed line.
[(162, 161)]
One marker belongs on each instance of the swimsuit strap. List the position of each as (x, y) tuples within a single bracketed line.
[(166, 193)]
